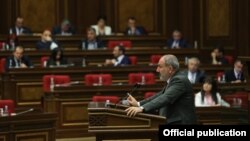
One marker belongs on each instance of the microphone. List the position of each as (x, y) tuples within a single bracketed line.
[(27, 111), (124, 99)]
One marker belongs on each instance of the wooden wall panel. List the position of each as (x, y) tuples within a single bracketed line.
[(145, 12), (38, 15)]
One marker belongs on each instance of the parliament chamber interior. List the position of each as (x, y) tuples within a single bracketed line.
[(76, 70)]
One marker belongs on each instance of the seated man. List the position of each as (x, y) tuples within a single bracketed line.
[(65, 29), (133, 29), (120, 57), (235, 75), (194, 74), (18, 60), (218, 56), (19, 28), (101, 28), (46, 42), (92, 41), (177, 41)]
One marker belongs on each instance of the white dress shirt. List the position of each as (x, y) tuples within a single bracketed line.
[(107, 30), (175, 44), (119, 59), (192, 77), (199, 103)]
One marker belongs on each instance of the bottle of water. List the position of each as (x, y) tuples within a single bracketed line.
[(12, 44), (83, 46), (186, 60), (100, 80), (195, 44), (5, 111), (223, 80), (83, 62), (52, 84), (219, 79), (1, 112), (107, 103), (44, 64), (143, 80), (10, 63)]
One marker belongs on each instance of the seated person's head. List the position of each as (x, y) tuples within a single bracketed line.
[(131, 22), (46, 35), (18, 52), (219, 52), (57, 54), (238, 66), (177, 35), (19, 22), (91, 34), (209, 86), (193, 64), (101, 21), (65, 26), (118, 51)]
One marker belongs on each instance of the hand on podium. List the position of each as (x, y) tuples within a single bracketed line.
[(132, 111)]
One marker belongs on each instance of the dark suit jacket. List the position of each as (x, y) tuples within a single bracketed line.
[(11, 63), (40, 45), (26, 30), (125, 61), (58, 31), (52, 62), (230, 76), (182, 43), (139, 31), (200, 75), (176, 102), (85, 43)]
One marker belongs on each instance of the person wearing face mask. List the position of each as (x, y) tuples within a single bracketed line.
[(177, 41), (209, 95), (175, 101), (194, 74), (120, 59), (101, 28), (19, 28), (57, 58), (236, 74), (18, 60), (46, 42), (92, 42)]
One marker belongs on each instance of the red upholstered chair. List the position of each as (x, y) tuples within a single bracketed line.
[(149, 94), (149, 78), (219, 75), (238, 99), (2, 65), (44, 61), (9, 103), (94, 79), (154, 59), (126, 44), (112, 99), (58, 79), (133, 60), (229, 59)]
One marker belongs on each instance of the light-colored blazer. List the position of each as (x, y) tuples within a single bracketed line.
[(199, 103), (107, 30)]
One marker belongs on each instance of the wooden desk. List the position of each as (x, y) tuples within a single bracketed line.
[(28, 127), (71, 103)]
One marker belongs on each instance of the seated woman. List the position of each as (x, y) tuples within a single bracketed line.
[(209, 95), (101, 28), (57, 58)]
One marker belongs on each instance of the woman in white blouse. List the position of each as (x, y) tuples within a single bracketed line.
[(209, 95), (101, 28)]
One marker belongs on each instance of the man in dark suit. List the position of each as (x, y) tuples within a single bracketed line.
[(175, 101), (65, 29), (133, 29), (235, 75), (92, 41), (120, 58), (18, 60), (177, 41), (19, 28), (46, 42), (194, 74)]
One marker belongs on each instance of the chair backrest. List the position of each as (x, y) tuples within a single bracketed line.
[(58, 79), (9, 103), (154, 59), (125, 43), (149, 94), (112, 99), (238, 99), (98, 79), (229, 59), (219, 75), (133, 60), (44, 61), (144, 78), (2, 65)]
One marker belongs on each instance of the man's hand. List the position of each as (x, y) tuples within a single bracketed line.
[(132, 101), (22, 65), (132, 111)]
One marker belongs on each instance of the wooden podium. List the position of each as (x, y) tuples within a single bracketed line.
[(110, 122)]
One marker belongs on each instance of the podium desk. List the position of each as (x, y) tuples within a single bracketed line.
[(28, 127), (110, 122)]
